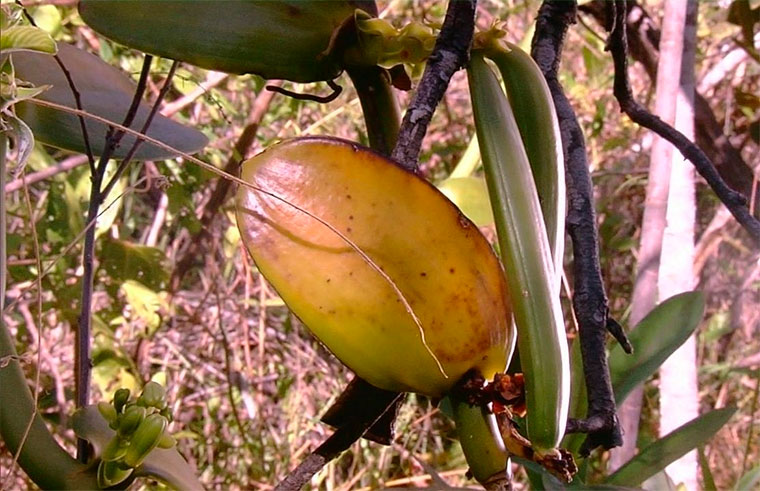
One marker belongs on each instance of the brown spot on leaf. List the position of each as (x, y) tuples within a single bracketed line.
[(293, 11), (463, 221)]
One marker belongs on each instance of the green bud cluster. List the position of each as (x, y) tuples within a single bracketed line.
[(492, 40), (140, 425), (384, 45)]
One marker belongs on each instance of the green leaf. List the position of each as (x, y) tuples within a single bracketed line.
[(283, 39), (48, 18), (539, 477), (26, 38), (124, 261), (658, 335), (470, 194), (112, 370), (146, 304), (670, 448), (708, 483), (106, 92), (749, 481), (168, 465)]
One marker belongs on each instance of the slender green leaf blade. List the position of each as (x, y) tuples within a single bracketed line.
[(707, 478), (750, 480), (106, 92), (654, 339), (125, 260), (670, 448)]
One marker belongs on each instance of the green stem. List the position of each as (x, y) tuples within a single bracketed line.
[(379, 105), (481, 442), (44, 461), (3, 228)]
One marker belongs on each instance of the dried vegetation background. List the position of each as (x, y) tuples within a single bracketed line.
[(247, 382)]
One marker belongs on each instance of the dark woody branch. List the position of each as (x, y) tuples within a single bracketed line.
[(617, 44), (643, 37), (589, 297)]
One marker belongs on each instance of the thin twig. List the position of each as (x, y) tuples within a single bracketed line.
[(204, 88), (336, 444), (82, 348), (153, 111), (736, 203), (62, 166), (74, 92), (589, 299), (36, 391), (219, 195), (451, 53), (643, 39), (227, 359), (322, 99)]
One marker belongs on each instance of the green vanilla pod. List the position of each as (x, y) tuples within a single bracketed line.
[(145, 439), (527, 259), (536, 118)]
